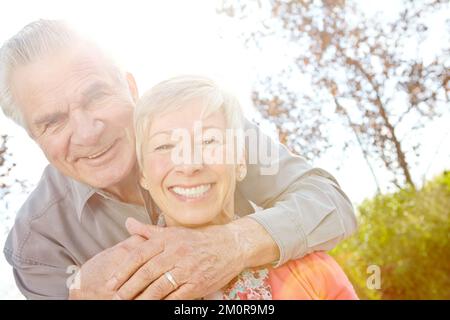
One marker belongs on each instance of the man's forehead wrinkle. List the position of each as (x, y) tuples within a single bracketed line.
[(61, 97), (90, 63)]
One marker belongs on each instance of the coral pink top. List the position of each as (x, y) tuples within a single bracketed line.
[(316, 276)]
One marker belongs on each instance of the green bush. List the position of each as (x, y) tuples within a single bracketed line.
[(407, 235)]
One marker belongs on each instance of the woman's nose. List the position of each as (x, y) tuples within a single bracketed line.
[(189, 169)]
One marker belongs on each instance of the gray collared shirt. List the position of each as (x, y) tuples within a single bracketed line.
[(64, 223)]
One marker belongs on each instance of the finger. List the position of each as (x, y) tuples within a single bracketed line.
[(130, 243), (136, 227), (140, 280), (184, 292), (160, 288), (140, 255)]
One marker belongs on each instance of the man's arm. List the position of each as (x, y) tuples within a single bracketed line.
[(36, 280), (304, 208)]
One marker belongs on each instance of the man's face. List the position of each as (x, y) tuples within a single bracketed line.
[(80, 114)]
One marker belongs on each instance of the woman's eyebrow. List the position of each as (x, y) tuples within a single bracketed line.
[(170, 131), (167, 132), (212, 127)]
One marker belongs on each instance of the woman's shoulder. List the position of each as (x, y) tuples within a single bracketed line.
[(315, 276)]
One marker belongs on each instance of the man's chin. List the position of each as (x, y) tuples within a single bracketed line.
[(107, 177)]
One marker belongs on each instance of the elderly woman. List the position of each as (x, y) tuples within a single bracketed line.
[(190, 164)]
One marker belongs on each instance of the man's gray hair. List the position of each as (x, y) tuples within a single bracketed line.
[(36, 40)]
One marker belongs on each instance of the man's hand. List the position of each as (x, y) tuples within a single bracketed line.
[(94, 273), (200, 261)]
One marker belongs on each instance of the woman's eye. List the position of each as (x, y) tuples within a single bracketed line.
[(209, 141), (164, 147)]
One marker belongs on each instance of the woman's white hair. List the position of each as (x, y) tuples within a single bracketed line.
[(36, 40), (174, 94)]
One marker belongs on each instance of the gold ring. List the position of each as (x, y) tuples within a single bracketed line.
[(169, 277)]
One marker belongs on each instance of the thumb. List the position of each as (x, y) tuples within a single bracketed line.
[(136, 227)]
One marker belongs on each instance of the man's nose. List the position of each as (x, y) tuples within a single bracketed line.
[(87, 130)]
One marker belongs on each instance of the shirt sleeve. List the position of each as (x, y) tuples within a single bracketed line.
[(37, 281), (304, 209)]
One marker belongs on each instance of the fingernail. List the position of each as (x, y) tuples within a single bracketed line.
[(111, 284)]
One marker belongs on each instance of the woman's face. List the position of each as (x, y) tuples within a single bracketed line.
[(185, 169)]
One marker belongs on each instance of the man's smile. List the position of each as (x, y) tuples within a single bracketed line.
[(99, 157), (98, 154)]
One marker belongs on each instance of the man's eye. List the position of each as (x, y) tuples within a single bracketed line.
[(98, 95), (95, 97), (54, 127), (47, 127), (164, 147)]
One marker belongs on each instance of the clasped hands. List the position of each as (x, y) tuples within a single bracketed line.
[(162, 263)]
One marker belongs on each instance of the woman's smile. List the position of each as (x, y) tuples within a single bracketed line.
[(193, 193)]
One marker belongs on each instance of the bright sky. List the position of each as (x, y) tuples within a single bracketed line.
[(158, 39)]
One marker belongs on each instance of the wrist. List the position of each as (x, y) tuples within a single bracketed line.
[(255, 247)]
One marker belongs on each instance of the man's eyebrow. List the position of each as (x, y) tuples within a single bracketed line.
[(92, 89), (47, 118), (87, 93)]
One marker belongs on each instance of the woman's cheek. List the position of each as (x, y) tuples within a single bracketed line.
[(225, 174), (159, 167)]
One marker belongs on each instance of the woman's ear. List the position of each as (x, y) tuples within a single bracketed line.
[(241, 172), (132, 86), (241, 167)]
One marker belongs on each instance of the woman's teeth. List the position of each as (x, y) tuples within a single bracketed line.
[(192, 192)]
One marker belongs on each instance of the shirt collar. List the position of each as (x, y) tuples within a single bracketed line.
[(82, 193)]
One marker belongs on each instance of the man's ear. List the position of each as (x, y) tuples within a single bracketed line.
[(143, 182), (132, 86)]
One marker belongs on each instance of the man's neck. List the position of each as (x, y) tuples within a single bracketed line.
[(128, 190)]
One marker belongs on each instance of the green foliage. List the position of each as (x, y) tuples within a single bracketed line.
[(407, 235)]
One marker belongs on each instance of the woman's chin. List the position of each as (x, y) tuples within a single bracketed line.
[(193, 220)]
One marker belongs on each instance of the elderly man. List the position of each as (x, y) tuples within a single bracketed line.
[(77, 104)]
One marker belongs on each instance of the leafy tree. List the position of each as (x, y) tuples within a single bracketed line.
[(368, 72), (4, 168), (405, 234)]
